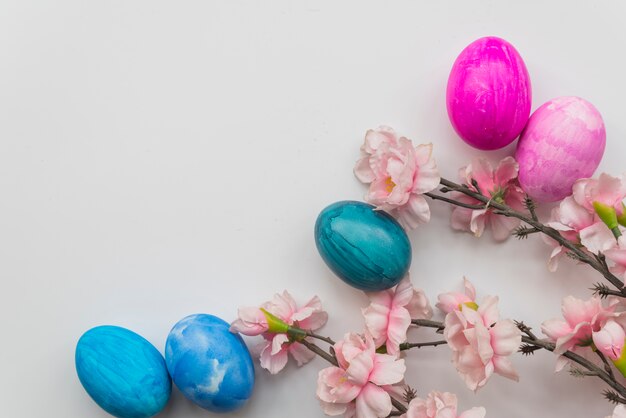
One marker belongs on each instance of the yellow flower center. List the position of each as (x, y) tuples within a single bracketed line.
[(390, 184)]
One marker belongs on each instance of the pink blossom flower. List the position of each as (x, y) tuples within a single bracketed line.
[(618, 256), (610, 340), (357, 387), (500, 185), (618, 412), (389, 314), (440, 405), (398, 174), (582, 320), (276, 347), (606, 189), (452, 301), (481, 342), (580, 226)]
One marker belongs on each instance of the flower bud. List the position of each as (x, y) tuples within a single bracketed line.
[(607, 214), (275, 324)]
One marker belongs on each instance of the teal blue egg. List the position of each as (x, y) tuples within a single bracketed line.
[(365, 247), (122, 372)]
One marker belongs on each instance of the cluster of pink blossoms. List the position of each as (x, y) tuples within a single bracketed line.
[(398, 174), (578, 219), (276, 347), (480, 341), (369, 366), (588, 325)]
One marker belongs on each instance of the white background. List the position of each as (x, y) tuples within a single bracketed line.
[(159, 159)]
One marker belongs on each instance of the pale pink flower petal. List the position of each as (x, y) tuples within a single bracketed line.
[(376, 322), (606, 189), (440, 405), (251, 322), (501, 226), (414, 212), (333, 387), (373, 402), (610, 340), (478, 222), (619, 412), (597, 238), (428, 172), (388, 370), (300, 353), (477, 412), (360, 368), (273, 363), (504, 367), (278, 341), (506, 171), (363, 171), (506, 338), (574, 215), (389, 314), (452, 301), (419, 306)]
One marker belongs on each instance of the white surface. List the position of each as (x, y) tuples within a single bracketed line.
[(164, 158)]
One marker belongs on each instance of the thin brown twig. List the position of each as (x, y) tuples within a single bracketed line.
[(505, 210)]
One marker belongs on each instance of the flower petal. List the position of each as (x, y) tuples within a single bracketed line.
[(373, 402)]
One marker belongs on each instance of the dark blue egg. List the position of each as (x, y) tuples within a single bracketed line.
[(365, 247), (210, 365), (122, 372)]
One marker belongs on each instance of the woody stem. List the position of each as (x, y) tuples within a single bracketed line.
[(530, 219)]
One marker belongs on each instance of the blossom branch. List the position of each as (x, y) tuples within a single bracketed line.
[(505, 210), (532, 340), (408, 346), (546, 345)]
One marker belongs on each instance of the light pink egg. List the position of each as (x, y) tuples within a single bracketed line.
[(488, 95), (563, 141)]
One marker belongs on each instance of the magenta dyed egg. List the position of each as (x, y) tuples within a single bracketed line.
[(563, 142), (489, 94)]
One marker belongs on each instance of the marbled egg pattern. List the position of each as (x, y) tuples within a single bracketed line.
[(210, 365), (366, 248), (563, 142), (489, 94), (122, 372)]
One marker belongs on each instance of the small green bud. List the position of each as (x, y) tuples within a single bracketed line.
[(607, 214), (275, 324)]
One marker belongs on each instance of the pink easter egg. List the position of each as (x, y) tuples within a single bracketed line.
[(563, 141), (489, 94)]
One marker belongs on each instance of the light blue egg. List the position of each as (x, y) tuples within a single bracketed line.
[(366, 248), (210, 365), (122, 372)]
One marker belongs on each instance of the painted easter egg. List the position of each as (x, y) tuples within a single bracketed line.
[(122, 372), (210, 365), (489, 94), (563, 142), (366, 248)]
